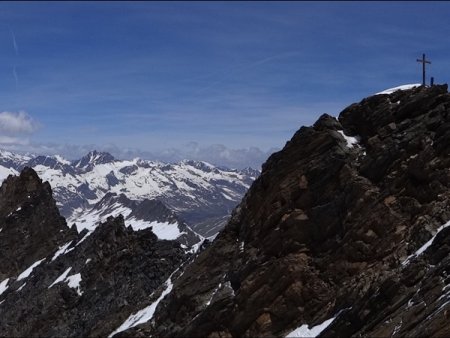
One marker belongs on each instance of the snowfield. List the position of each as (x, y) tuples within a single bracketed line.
[(402, 87)]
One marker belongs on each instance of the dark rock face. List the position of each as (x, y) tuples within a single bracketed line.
[(331, 230), (83, 284), (30, 222), (94, 157)]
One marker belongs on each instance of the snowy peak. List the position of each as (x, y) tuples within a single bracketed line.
[(93, 158), (13, 161), (201, 165), (153, 210), (52, 162)]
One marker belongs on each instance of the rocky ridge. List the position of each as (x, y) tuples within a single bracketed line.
[(345, 233), (56, 282)]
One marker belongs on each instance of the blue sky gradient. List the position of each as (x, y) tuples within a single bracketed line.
[(158, 75)]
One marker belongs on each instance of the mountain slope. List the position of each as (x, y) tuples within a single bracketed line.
[(56, 282), (336, 236), (140, 215)]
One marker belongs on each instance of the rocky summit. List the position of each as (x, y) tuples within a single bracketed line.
[(345, 233)]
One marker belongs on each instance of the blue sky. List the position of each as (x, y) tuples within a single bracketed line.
[(150, 76)]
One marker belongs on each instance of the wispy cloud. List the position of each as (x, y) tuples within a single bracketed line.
[(16, 51), (17, 123), (14, 41), (246, 66), (16, 78), (7, 141), (15, 129)]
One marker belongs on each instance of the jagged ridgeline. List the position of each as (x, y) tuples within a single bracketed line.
[(344, 233)]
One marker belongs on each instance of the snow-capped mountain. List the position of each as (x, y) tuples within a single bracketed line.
[(93, 158), (10, 163), (138, 215), (200, 193)]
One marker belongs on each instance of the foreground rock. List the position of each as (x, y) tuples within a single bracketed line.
[(58, 283), (339, 226)]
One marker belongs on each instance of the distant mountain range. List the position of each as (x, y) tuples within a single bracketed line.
[(97, 186)]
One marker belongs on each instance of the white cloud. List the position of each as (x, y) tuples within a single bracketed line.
[(12, 123), (11, 140), (217, 154)]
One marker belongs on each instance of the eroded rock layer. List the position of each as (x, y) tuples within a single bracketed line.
[(340, 224)]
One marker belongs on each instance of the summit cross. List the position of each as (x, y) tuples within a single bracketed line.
[(423, 61)]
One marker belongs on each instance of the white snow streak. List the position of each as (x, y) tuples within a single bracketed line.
[(4, 285), (84, 237), (62, 250), (213, 294), (28, 271), (397, 328), (21, 287), (61, 278), (147, 313), (74, 282), (163, 230), (303, 331), (425, 246), (403, 87), (351, 141)]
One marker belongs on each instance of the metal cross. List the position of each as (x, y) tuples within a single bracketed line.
[(424, 61)]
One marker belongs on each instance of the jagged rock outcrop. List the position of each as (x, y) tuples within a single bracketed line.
[(30, 224), (93, 158), (333, 229), (55, 282)]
